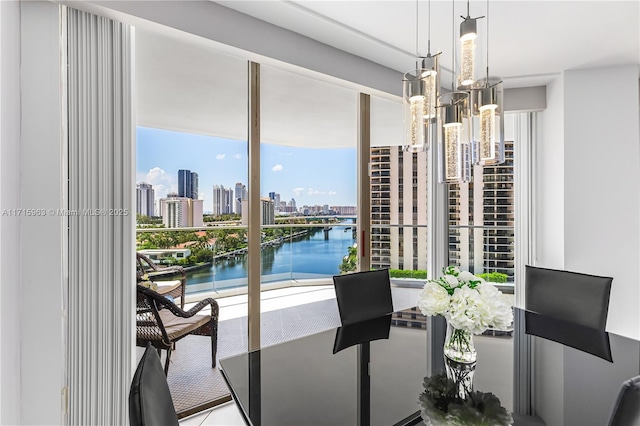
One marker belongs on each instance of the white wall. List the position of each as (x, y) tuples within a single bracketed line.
[(9, 225), (602, 178), (587, 216), (549, 243), (549, 181), (42, 168)]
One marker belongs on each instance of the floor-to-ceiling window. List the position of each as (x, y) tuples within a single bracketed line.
[(308, 192), (399, 196), (191, 185), (482, 216)]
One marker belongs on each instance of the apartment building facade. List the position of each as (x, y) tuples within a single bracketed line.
[(398, 209), (481, 219)]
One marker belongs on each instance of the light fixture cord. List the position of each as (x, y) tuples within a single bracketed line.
[(429, 31), (453, 43), (487, 83), (417, 23)]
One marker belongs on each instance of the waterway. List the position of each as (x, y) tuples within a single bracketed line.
[(311, 256)]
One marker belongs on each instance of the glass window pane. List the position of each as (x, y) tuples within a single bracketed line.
[(191, 155), (398, 196), (481, 221), (308, 185)]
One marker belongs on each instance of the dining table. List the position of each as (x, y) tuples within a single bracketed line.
[(391, 371)]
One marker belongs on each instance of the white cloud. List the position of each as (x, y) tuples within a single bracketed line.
[(237, 156), (277, 168), (161, 181), (297, 191), (313, 192), (220, 156)]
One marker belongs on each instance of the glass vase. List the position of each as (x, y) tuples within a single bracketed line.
[(458, 345)]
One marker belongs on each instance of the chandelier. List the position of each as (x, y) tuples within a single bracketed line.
[(420, 90), (471, 116)]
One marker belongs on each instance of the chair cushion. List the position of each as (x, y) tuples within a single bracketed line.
[(165, 287), (177, 327)]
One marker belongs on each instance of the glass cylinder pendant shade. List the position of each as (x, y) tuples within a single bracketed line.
[(420, 92), (454, 138), (488, 121), (471, 63)]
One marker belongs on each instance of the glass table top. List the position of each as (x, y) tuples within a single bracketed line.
[(373, 373)]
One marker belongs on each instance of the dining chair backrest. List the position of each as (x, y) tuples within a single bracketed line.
[(571, 296), (363, 295), (626, 411), (150, 402)]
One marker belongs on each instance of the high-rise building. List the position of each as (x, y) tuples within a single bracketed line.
[(488, 204), (194, 185), (229, 201), (240, 194), (222, 200), (187, 184), (399, 198), (267, 214), (145, 200), (181, 212), (276, 200), (184, 183)]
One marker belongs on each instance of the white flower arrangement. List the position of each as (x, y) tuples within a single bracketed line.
[(467, 302)]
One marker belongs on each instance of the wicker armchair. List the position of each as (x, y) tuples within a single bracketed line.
[(175, 289), (160, 322)]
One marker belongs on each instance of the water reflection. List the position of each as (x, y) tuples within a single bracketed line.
[(303, 257)]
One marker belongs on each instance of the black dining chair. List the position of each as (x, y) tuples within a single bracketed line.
[(362, 332), (150, 402), (570, 296), (626, 411), (363, 295)]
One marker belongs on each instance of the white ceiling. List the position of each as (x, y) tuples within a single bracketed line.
[(530, 41), (186, 83)]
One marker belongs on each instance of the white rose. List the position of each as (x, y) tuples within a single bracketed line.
[(461, 308), (434, 299), (452, 281), (467, 276), (501, 314)]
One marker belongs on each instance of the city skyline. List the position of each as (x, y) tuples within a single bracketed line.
[(310, 175)]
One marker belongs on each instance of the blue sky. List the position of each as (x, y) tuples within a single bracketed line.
[(311, 176)]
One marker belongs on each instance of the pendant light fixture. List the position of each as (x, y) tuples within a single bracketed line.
[(488, 116), (455, 138), (469, 50), (454, 129), (420, 94)]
